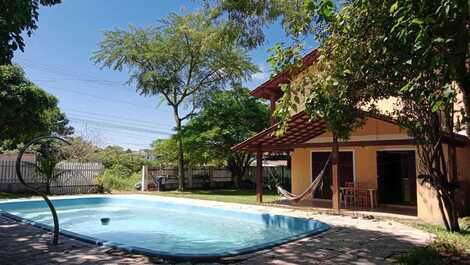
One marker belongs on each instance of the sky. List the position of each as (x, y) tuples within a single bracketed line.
[(99, 104)]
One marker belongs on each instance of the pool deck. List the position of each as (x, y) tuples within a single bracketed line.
[(351, 240)]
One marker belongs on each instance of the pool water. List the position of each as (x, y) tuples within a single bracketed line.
[(167, 227)]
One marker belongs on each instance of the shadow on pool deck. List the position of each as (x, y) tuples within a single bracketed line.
[(24, 244)]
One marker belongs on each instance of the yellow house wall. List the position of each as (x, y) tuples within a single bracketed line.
[(428, 207), (365, 173), (365, 167)]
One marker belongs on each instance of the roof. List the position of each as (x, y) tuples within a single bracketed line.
[(271, 88), (301, 129)]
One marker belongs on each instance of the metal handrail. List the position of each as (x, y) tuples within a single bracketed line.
[(37, 140)]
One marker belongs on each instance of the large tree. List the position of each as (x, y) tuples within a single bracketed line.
[(18, 17), (414, 51), (26, 111), (227, 118), (181, 59)]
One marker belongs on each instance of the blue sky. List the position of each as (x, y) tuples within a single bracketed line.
[(98, 103)]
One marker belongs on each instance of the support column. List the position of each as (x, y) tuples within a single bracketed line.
[(335, 176), (259, 176)]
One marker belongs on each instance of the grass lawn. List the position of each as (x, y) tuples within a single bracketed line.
[(448, 248), (10, 195), (222, 195)]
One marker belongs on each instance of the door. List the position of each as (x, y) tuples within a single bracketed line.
[(345, 172), (396, 177)]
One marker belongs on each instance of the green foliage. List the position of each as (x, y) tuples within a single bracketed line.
[(459, 242), (120, 178), (22, 105), (115, 155), (226, 119), (182, 60), (17, 17), (248, 18), (80, 150)]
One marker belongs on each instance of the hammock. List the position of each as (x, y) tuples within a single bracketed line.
[(310, 190)]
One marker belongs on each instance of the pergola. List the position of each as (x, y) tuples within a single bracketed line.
[(300, 130)]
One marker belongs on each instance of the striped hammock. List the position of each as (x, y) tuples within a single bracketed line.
[(310, 190)]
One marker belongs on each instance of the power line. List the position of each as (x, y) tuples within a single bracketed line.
[(59, 70), (129, 122), (120, 126), (106, 99), (116, 116)]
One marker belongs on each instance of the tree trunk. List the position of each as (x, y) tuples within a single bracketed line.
[(452, 169), (465, 86), (335, 177), (179, 140)]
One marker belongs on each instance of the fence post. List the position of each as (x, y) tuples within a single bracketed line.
[(144, 178)]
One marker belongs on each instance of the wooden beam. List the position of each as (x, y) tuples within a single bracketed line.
[(335, 175), (259, 176), (281, 147)]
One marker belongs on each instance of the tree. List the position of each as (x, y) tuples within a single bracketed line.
[(16, 17), (414, 51), (167, 152), (227, 118), (80, 149), (182, 60), (23, 104)]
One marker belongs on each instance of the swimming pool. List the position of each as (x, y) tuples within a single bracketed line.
[(166, 227)]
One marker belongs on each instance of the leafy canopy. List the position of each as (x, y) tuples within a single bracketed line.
[(227, 118), (17, 17), (26, 111), (182, 59)]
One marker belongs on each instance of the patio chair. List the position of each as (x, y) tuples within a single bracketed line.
[(348, 194)]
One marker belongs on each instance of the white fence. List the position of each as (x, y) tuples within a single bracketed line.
[(75, 177)]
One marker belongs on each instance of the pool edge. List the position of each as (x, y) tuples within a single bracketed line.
[(166, 255)]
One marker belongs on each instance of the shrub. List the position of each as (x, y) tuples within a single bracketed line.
[(120, 178)]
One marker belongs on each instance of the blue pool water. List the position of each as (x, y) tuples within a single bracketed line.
[(167, 227)]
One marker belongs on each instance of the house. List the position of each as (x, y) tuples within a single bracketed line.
[(380, 157)]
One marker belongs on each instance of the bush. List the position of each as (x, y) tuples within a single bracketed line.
[(120, 178)]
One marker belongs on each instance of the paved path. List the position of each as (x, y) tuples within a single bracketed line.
[(349, 241)]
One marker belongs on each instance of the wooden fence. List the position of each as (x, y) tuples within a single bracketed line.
[(75, 177), (210, 177), (202, 177)]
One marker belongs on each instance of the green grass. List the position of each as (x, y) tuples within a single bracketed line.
[(459, 241), (421, 256), (447, 248), (11, 195), (222, 195)]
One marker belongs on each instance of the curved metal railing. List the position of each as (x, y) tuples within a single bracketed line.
[(38, 140)]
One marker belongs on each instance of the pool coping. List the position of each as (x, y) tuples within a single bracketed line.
[(162, 254)]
